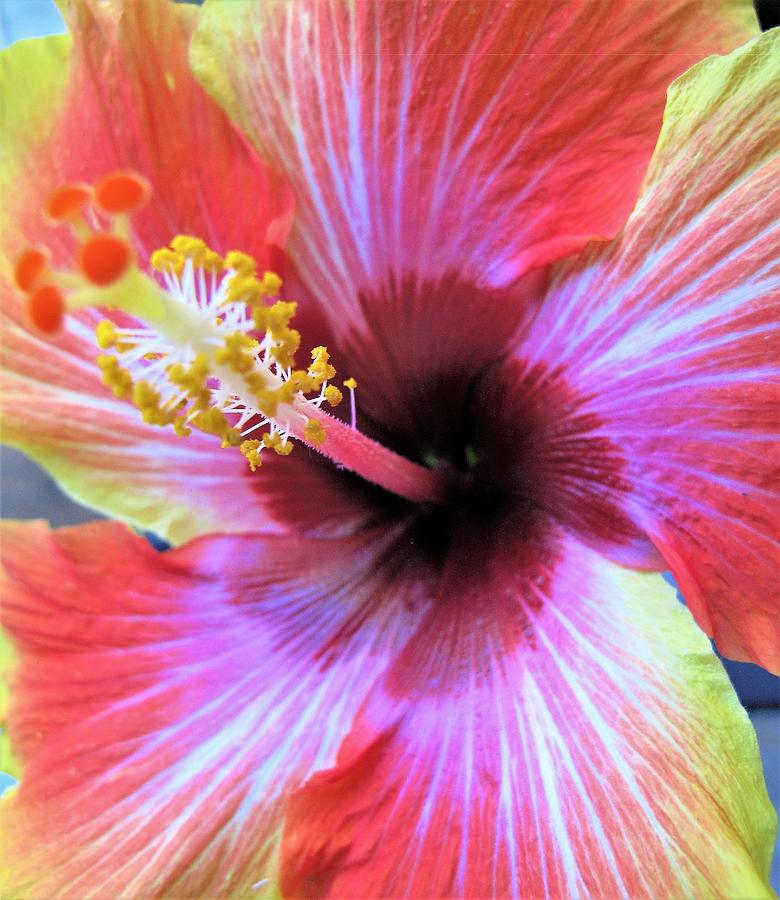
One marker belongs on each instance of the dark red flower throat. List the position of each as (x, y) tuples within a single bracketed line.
[(443, 382)]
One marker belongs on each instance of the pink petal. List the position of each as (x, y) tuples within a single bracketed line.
[(426, 137), (124, 98), (558, 727), (164, 704), (671, 337)]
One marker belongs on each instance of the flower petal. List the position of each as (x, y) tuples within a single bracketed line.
[(124, 98), (128, 100), (559, 728), (475, 136), (164, 703), (8, 761), (671, 335)]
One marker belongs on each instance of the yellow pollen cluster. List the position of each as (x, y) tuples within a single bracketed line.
[(251, 450), (118, 379), (202, 256), (314, 432), (233, 371), (167, 261), (275, 442), (333, 395)]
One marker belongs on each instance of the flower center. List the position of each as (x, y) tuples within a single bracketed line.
[(211, 348)]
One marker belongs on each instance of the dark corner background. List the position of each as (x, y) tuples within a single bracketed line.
[(768, 13)]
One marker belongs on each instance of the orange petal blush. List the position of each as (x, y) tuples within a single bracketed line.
[(104, 258), (29, 267), (122, 192), (67, 202), (46, 309)]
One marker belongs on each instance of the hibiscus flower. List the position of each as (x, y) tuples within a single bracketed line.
[(429, 653)]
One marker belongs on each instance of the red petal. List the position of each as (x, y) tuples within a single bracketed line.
[(671, 336), (558, 727), (164, 703), (131, 103), (482, 137)]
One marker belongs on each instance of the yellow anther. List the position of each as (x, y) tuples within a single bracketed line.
[(284, 351), (240, 262), (265, 400), (314, 432), (246, 287), (279, 314), (106, 334), (275, 318), (212, 421), (212, 262), (333, 395), (167, 261), (193, 380), (147, 399), (200, 366), (243, 288), (176, 373), (117, 378), (238, 352), (190, 247), (285, 393), (180, 427), (272, 284), (108, 337), (303, 382), (231, 438), (251, 450), (145, 396), (350, 383), (320, 369), (184, 246), (257, 382), (275, 442)]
